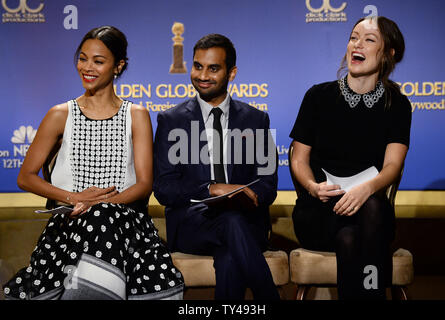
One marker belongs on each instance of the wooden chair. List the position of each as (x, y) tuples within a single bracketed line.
[(198, 270), (319, 269)]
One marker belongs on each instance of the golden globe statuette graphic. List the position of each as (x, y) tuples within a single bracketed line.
[(178, 65)]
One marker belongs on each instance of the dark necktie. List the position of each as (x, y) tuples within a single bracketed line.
[(218, 162)]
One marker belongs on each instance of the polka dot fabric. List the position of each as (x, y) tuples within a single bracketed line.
[(114, 233), (122, 238)]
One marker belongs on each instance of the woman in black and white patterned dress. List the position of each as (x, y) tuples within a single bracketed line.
[(107, 247)]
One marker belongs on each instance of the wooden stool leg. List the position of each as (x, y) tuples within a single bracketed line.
[(399, 293), (281, 292), (301, 292)]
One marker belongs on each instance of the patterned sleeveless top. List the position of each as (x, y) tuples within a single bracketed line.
[(95, 152)]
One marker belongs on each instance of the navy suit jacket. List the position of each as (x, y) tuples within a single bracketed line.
[(176, 184)]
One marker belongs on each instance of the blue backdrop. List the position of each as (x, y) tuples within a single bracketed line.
[(284, 47)]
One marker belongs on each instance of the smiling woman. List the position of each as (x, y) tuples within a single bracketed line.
[(345, 127), (114, 40), (375, 47), (107, 247)]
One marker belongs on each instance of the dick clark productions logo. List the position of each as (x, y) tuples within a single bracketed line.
[(20, 11), (325, 13)]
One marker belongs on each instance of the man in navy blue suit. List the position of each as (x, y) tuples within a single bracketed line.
[(208, 146)]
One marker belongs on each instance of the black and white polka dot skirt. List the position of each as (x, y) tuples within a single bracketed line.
[(110, 252)]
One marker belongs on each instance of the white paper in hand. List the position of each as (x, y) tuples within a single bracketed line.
[(224, 196), (347, 183), (58, 210)]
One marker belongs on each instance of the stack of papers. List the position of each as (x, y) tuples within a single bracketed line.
[(221, 197), (347, 183)]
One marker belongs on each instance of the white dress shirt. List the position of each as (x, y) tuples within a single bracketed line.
[(206, 108)]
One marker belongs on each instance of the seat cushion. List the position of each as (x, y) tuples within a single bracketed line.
[(403, 270), (320, 268), (278, 262), (312, 267), (198, 270)]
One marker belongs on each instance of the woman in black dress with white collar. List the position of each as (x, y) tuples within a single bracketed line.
[(345, 127)]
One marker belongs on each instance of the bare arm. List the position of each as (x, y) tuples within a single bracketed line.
[(303, 173), (395, 155), (49, 132), (392, 165)]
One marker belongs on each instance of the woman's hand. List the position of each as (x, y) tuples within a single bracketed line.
[(352, 200), (84, 200), (301, 170), (92, 194), (324, 192)]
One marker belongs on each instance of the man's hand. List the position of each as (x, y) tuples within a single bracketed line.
[(245, 198)]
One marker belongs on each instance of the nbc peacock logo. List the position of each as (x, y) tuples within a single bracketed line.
[(21, 139), (24, 135)]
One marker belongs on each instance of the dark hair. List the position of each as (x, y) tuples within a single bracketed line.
[(218, 40), (113, 39), (392, 39)]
